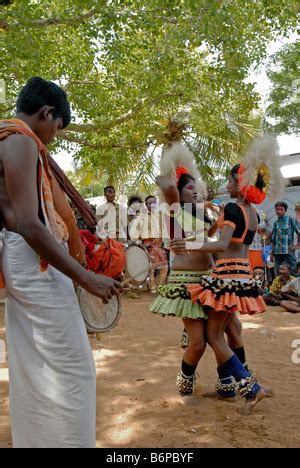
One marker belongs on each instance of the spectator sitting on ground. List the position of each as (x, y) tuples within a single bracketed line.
[(259, 275), (284, 291)]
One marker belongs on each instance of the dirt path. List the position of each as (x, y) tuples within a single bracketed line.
[(138, 405)]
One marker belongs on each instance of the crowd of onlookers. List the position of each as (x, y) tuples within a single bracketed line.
[(272, 254), (272, 247), (140, 221), (274, 261)]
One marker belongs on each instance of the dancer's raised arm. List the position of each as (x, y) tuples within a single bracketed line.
[(169, 189)]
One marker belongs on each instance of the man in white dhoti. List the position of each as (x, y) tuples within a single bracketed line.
[(51, 367)]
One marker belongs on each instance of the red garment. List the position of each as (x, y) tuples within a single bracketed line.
[(256, 259), (156, 252), (89, 242), (108, 259)]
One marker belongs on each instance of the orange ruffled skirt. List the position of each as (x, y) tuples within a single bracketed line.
[(231, 288)]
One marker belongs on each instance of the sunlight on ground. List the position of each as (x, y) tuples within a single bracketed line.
[(101, 362), (125, 416), (137, 399), (122, 435), (103, 353), (3, 375), (289, 328), (250, 326)]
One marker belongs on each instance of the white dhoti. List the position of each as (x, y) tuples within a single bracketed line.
[(51, 368)]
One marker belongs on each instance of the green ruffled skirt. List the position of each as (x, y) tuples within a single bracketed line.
[(174, 300)]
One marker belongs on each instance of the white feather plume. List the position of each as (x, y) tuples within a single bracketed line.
[(179, 155), (264, 150)]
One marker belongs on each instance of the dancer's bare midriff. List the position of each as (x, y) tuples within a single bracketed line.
[(235, 251), (193, 262)]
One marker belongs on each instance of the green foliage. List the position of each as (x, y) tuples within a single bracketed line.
[(87, 183), (284, 73), (131, 67)]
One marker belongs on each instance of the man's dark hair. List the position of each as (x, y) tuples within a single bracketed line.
[(283, 204), (148, 198), (109, 187), (38, 93), (134, 199), (285, 265)]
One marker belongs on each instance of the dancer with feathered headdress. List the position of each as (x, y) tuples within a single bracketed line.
[(231, 287), (179, 160), (181, 188)]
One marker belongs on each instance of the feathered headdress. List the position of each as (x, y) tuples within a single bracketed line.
[(179, 160), (259, 174)]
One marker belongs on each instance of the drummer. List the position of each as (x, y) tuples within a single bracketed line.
[(52, 374), (149, 227), (134, 206), (111, 217)]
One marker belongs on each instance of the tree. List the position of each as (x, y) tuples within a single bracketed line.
[(131, 68), (284, 74), (216, 156), (87, 183)]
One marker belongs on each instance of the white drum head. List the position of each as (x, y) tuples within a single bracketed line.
[(98, 317), (137, 264)]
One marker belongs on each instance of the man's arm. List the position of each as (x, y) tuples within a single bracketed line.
[(99, 213), (289, 297), (20, 161)]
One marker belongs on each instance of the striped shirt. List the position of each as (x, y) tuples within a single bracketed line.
[(283, 234)]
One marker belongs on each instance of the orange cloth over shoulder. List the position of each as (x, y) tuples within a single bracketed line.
[(58, 215)]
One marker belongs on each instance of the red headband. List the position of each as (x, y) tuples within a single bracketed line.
[(251, 193), (180, 170)]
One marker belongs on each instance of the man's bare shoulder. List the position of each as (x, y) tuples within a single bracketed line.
[(17, 145)]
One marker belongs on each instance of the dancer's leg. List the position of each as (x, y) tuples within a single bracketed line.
[(290, 306), (229, 364), (197, 343), (234, 331)]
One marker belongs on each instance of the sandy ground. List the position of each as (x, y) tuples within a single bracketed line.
[(138, 405)]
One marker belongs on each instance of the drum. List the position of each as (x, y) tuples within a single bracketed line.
[(98, 317), (137, 268)]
